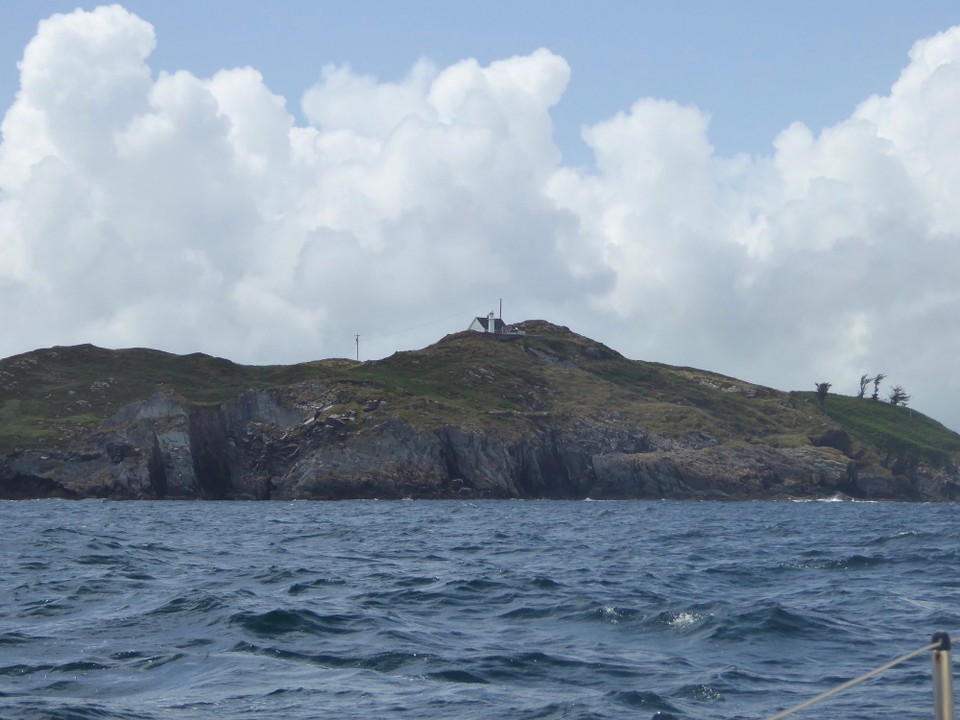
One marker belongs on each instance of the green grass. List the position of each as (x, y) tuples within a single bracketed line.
[(506, 386), (49, 394), (897, 434)]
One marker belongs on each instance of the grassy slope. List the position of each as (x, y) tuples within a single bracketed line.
[(48, 397), (893, 433), (476, 380), (504, 386)]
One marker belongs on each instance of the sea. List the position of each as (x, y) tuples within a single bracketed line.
[(490, 609)]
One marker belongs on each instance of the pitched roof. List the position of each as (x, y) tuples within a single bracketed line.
[(498, 324)]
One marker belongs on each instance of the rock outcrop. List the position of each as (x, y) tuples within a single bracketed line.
[(257, 447), (542, 413), (160, 448)]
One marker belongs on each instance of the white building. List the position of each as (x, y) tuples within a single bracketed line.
[(491, 324)]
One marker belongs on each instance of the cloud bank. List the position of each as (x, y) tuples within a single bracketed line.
[(188, 213)]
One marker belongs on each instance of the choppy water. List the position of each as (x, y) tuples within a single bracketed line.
[(503, 609)]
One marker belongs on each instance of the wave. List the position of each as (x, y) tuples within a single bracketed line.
[(520, 610), (73, 710), (772, 621), (282, 621)]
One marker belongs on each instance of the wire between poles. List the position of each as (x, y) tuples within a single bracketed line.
[(855, 681)]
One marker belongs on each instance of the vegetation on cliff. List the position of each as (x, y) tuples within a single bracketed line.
[(501, 387)]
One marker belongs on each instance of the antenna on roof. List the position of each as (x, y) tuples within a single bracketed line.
[(501, 308)]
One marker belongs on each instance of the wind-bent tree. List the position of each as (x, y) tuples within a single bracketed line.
[(822, 389), (876, 386), (898, 396), (864, 381)]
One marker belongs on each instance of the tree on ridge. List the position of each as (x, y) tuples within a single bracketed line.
[(822, 389), (876, 386), (898, 396)]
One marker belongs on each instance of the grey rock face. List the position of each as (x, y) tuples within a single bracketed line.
[(255, 447), (160, 448)]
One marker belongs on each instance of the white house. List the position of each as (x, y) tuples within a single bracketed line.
[(491, 324)]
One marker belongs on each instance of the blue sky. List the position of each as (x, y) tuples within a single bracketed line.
[(764, 189), (754, 66)]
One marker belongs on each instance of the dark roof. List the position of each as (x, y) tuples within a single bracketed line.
[(498, 324)]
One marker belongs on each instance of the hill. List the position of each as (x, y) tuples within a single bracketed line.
[(548, 413)]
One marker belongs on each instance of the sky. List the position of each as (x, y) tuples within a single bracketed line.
[(766, 190)]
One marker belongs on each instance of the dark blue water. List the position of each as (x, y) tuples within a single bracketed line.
[(469, 610)]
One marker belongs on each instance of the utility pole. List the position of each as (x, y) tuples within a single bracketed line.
[(357, 339)]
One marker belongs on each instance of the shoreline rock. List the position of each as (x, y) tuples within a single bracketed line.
[(254, 447)]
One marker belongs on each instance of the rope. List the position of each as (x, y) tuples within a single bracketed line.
[(855, 681)]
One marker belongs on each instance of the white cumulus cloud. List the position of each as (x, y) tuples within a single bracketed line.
[(191, 213)]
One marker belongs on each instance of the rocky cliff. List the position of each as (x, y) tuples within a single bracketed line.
[(545, 415)]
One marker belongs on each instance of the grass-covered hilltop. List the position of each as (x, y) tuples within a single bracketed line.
[(547, 413)]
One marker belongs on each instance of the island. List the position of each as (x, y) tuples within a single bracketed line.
[(531, 410)]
